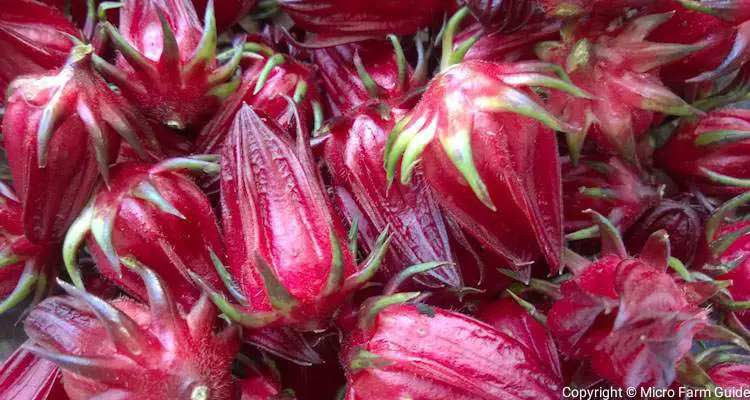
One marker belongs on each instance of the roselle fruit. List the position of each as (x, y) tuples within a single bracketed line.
[(619, 69), (709, 152), (414, 351), (126, 349), (154, 215), (264, 87), (362, 18), (61, 131), (26, 376), (488, 151), (167, 61), (627, 316), (288, 258), (609, 186), (356, 73), (354, 156), (683, 221), (32, 39)]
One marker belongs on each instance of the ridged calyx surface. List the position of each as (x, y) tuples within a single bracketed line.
[(287, 251), (61, 130), (413, 351), (154, 215), (353, 153), (27, 376), (125, 349)]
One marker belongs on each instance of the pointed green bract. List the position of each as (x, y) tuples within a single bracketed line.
[(146, 190), (336, 274), (102, 226), (280, 298), (206, 163), (410, 272), (378, 304), (250, 320), (273, 62), (458, 148), (74, 239), (170, 53), (611, 240), (353, 236), (396, 146), (511, 100), (718, 216), (124, 332), (23, 288), (226, 278), (721, 137), (414, 150), (363, 359), (206, 49), (370, 265), (725, 179)]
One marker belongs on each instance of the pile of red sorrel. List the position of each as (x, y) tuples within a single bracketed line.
[(360, 199)]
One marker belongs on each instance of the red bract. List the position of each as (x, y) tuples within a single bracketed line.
[(505, 15), (265, 86), (285, 248), (577, 8), (354, 74), (363, 17), (488, 150), (167, 62), (620, 70), (155, 215), (682, 220), (610, 187), (61, 130), (24, 267), (508, 317), (627, 316), (124, 349), (32, 39), (413, 351), (227, 11), (354, 156), (26, 376), (710, 152)]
